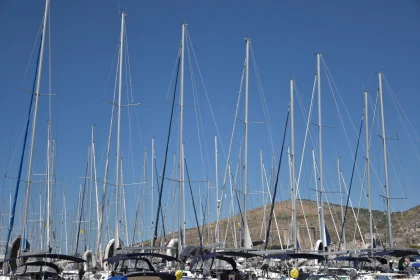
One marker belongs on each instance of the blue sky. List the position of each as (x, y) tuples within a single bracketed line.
[(357, 39)]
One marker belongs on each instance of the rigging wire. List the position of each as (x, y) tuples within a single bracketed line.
[(263, 100), (309, 116), (207, 97), (129, 90), (166, 157), (15, 197), (193, 203), (108, 151), (398, 105), (277, 179), (274, 212), (161, 213), (198, 116), (223, 191), (351, 181), (351, 205), (81, 211)]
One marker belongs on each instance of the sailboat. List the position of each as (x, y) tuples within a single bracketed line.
[(19, 260)]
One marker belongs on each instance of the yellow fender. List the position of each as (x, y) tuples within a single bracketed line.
[(294, 273), (179, 274)]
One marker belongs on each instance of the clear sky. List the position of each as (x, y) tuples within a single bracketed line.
[(357, 39)]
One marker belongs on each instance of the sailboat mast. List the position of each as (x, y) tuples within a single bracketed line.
[(263, 191), (388, 202), (181, 225), (117, 173), (248, 42), (31, 153), (95, 181), (124, 205), (341, 200), (216, 155), (368, 169), (41, 223), (65, 217), (321, 174), (48, 225), (292, 119), (153, 185)]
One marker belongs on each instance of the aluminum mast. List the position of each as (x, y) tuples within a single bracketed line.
[(368, 168), (181, 226), (388, 202), (118, 167), (292, 177), (37, 94), (341, 201), (321, 174), (247, 243)]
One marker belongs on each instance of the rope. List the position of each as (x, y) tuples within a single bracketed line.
[(351, 182), (277, 180)]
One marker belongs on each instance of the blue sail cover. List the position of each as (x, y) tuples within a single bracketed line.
[(327, 237), (297, 244), (374, 243)]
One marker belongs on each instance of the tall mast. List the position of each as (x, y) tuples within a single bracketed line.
[(48, 176), (290, 232), (153, 185), (144, 194), (217, 188), (31, 153), (117, 173), (321, 174), (41, 223), (388, 202), (65, 217), (246, 233), (292, 178), (95, 182), (341, 201), (263, 190), (181, 225), (124, 205), (368, 168)]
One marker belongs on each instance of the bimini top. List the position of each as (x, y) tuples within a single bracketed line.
[(37, 267), (124, 257), (217, 256), (239, 254), (398, 253), (50, 256), (295, 256), (352, 259)]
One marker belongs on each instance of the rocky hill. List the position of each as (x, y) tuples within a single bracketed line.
[(406, 226)]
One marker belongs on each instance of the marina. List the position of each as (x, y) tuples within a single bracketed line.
[(219, 159)]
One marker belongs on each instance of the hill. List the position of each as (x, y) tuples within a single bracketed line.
[(405, 226)]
